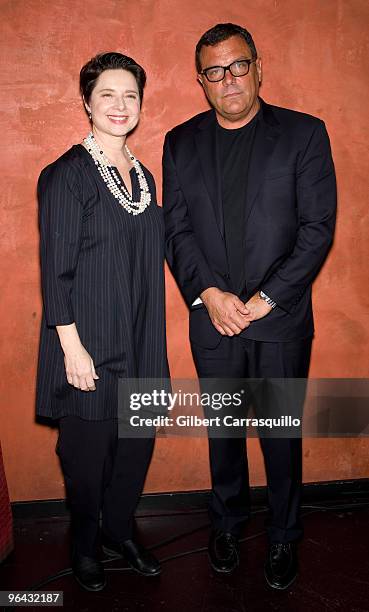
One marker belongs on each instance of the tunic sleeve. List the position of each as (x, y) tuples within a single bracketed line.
[(60, 223)]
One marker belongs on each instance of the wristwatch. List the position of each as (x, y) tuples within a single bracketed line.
[(267, 299)]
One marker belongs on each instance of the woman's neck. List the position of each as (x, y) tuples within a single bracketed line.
[(113, 146)]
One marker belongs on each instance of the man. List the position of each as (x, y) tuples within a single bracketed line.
[(249, 203)]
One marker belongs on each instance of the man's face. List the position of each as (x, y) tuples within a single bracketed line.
[(235, 99)]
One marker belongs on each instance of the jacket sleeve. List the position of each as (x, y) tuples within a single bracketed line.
[(60, 223), (184, 256), (316, 210)]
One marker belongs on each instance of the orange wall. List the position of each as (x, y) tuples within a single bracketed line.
[(315, 56)]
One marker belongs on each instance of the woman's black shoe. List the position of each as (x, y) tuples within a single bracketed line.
[(223, 552), (138, 557), (281, 565), (89, 572)]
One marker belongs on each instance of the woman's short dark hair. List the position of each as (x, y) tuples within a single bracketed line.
[(219, 33), (109, 61)]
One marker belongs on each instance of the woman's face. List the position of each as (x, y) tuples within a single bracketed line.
[(114, 103)]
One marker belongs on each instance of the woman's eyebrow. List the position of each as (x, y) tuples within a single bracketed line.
[(127, 90)]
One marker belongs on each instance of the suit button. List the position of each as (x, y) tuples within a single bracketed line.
[(226, 276)]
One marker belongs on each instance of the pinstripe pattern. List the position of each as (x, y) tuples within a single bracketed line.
[(102, 269)]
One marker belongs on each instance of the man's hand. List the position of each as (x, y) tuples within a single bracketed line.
[(257, 308), (227, 312)]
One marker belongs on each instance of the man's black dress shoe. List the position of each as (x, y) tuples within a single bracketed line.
[(223, 552), (139, 558), (89, 572), (281, 565)]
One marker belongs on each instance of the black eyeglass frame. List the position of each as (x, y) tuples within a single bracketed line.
[(225, 68)]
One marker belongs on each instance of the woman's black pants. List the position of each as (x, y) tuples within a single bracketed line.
[(101, 472)]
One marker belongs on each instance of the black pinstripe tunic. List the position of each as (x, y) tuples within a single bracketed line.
[(101, 268)]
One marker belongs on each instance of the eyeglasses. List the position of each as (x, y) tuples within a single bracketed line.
[(237, 69)]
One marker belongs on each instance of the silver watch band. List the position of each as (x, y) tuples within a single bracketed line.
[(267, 299)]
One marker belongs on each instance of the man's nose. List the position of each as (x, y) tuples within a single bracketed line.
[(228, 78)]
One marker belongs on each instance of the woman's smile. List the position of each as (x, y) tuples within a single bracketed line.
[(118, 119)]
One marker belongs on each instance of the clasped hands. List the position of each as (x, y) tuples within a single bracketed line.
[(229, 315)]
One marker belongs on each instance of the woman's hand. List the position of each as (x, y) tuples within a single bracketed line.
[(79, 367)]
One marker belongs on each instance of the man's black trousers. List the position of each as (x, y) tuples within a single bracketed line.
[(237, 357)]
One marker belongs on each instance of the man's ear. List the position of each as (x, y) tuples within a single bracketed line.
[(259, 70), (199, 78)]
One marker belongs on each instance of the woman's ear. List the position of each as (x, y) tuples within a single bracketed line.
[(88, 109)]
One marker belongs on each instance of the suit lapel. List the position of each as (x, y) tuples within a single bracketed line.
[(265, 138), (205, 139)]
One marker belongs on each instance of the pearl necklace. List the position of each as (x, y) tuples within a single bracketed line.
[(113, 180)]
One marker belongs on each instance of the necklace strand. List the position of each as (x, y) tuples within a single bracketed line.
[(113, 181)]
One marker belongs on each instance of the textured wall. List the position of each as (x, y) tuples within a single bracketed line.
[(315, 59)]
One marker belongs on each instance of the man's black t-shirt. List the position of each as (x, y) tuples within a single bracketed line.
[(234, 150)]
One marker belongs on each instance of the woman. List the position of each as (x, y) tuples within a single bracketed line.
[(102, 253)]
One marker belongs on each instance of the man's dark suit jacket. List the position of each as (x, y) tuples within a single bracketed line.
[(288, 225)]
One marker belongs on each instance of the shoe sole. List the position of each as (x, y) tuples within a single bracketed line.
[(100, 588), (279, 588), (114, 555), (222, 571)]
